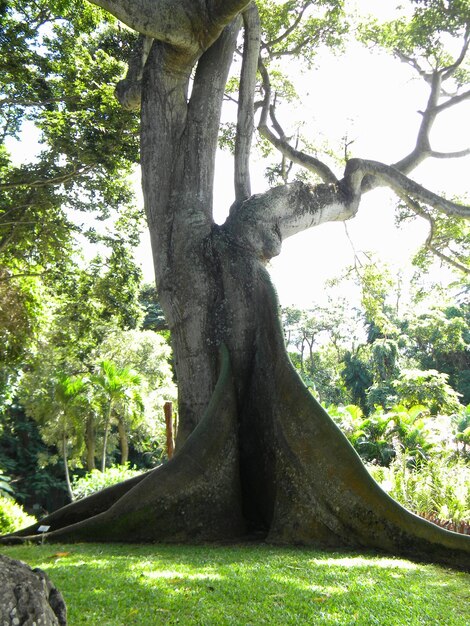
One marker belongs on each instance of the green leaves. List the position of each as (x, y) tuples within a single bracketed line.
[(299, 27), (423, 32)]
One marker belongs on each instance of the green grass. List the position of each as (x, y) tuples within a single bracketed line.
[(122, 585)]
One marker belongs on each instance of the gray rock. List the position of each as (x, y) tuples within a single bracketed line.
[(28, 597)]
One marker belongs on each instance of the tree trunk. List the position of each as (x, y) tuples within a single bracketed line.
[(66, 466), (255, 453), (105, 435), (90, 443), (168, 411), (123, 442)]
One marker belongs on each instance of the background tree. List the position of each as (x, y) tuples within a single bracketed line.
[(60, 419), (251, 439), (120, 398)]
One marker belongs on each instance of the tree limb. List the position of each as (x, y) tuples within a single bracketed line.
[(401, 184), (204, 109), (269, 44), (245, 115), (453, 101), (449, 155), (449, 70), (189, 25), (263, 221), (56, 180)]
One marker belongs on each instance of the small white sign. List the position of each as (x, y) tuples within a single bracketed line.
[(43, 529)]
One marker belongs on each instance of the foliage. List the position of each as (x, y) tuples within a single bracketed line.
[(147, 585), (5, 486), (13, 516), (96, 480), (59, 63), (388, 350), (32, 466), (440, 486), (429, 388), (418, 435), (423, 34), (118, 394)]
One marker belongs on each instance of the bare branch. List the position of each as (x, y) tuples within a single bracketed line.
[(415, 207), (412, 62), (57, 180), (450, 155), (245, 117), (453, 101), (448, 71), (300, 158), (423, 147), (358, 169)]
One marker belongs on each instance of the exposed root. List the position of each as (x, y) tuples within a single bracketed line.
[(324, 495), (301, 480), (193, 497)]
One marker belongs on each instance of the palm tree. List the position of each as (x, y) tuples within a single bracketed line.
[(67, 395), (120, 392)]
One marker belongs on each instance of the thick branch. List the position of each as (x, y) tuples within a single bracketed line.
[(265, 220), (189, 25), (204, 112), (245, 121), (450, 155), (401, 184)]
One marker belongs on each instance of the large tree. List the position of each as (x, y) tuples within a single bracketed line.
[(256, 453)]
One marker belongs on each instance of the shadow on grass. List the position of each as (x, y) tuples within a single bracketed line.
[(113, 585)]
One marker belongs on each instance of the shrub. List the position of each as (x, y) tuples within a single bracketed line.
[(13, 516), (439, 487), (97, 480)]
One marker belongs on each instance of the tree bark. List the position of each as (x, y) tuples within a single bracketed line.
[(105, 435), (66, 466), (168, 411), (90, 441), (255, 453), (123, 441)]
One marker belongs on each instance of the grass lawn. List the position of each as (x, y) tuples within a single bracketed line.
[(121, 585)]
